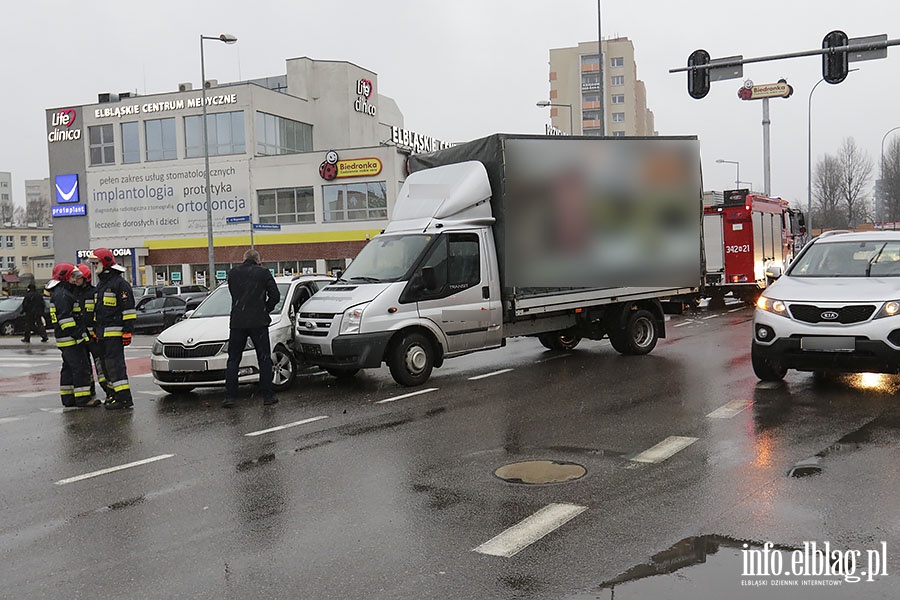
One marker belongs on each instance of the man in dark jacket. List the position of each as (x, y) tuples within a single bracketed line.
[(254, 295), (85, 293), (33, 307)]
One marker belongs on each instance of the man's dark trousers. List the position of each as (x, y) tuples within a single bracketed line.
[(237, 339)]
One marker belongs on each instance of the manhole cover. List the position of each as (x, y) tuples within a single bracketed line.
[(540, 471)]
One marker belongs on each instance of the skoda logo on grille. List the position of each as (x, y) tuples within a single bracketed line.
[(190, 341), (829, 315)]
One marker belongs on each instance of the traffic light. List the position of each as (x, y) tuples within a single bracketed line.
[(698, 79), (835, 65)]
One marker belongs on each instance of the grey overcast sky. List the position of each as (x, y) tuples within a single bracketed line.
[(463, 69)]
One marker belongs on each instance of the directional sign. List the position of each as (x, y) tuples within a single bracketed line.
[(269, 226), (241, 219)]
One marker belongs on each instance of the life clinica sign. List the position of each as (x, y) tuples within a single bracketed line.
[(61, 121)]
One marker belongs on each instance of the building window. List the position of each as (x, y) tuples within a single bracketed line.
[(618, 134), (590, 81), (102, 147), (8, 240), (34, 240), (590, 98), (45, 241), (131, 144), (286, 205), (4, 196), (618, 98), (160, 136), (617, 80), (355, 201), (224, 131), (277, 135), (590, 60), (617, 61), (592, 115), (23, 240), (618, 117)]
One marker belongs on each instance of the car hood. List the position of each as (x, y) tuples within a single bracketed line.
[(835, 289), (200, 330), (338, 297)]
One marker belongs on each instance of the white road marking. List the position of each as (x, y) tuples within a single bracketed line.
[(729, 410), (280, 427), (501, 371), (683, 324), (158, 394), (36, 394), (141, 375), (736, 309), (30, 359), (709, 317), (113, 469), (665, 449), (409, 395), (551, 358), (9, 420), (530, 530)]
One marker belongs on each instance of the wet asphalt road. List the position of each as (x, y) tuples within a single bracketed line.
[(354, 489)]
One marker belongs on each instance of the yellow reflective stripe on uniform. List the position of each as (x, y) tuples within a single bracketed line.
[(53, 314), (66, 390), (89, 305), (65, 324), (107, 333), (129, 314), (109, 298), (119, 386), (82, 391), (66, 344), (76, 308)]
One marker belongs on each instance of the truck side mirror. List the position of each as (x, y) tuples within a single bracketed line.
[(429, 278)]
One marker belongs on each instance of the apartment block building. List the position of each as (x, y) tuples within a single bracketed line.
[(618, 107)]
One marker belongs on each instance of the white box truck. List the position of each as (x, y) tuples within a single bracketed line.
[(514, 235)]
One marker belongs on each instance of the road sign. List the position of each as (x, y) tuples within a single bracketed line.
[(241, 219), (268, 226), (221, 274)]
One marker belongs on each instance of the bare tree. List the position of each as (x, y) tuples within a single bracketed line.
[(827, 212), (856, 174), (38, 211), (6, 211), (19, 216), (890, 182)]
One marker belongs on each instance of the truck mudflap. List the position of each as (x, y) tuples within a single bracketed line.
[(358, 351)]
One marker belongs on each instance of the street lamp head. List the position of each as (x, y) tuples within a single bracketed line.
[(228, 38), (543, 103)]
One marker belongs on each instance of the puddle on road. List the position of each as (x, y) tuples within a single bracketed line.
[(535, 472), (882, 429), (712, 566)]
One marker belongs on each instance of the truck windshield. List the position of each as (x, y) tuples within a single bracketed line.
[(387, 258), (849, 259)]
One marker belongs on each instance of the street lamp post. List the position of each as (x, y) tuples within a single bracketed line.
[(737, 179), (211, 273), (546, 103)]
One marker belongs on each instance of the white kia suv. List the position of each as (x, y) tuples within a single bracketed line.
[(193, 352), (836, 308)]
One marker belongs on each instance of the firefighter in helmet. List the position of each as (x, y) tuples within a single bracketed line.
[(74, 382), (85, 292), (114, 317)]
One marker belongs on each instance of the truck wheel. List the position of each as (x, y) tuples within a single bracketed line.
[(763, 369), (284, 368), (559, 340), (639, 336), (341, 373), (411, 360)]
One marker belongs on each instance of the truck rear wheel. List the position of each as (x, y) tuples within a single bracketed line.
[(763, 369), (559, 340), (411, 360), (639, 336)]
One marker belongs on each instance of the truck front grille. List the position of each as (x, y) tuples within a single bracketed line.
[(315, 324)]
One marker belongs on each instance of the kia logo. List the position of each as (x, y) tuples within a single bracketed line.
[(829, 315)]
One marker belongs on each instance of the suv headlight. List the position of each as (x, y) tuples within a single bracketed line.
[(771, 305), (890, 309), (157, 348), (352, 318)]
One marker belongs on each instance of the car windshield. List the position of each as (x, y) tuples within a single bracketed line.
[(387, 258), (10, 304), (139, 290), (849, 259), (218, 303)]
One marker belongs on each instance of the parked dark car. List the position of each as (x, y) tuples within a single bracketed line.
[(155, 314), (12, 319), (184, 291)]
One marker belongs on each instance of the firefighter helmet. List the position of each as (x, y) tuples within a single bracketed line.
[(85, 271), (105, 256), (62, 271)]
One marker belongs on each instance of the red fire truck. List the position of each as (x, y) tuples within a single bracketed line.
[(748, 240)]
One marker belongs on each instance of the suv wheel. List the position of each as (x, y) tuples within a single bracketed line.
[(765, 370)]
